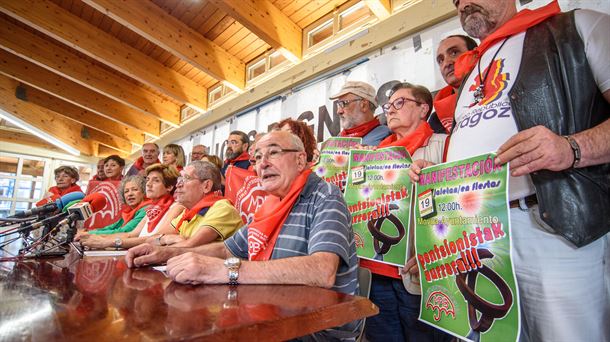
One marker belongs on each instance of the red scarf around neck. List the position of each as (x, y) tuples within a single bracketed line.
[(139, 164), (269, 219), (206, 202), (60, 192), (128, 213), (410, 142), (157, 209), (444, 104), (360, 130), (241, 157), (517, 24)]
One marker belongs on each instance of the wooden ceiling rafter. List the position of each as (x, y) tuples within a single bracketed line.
[(171, 34), (40, 78), (68, 64), (19, 107), (267, 22), (69, 29)]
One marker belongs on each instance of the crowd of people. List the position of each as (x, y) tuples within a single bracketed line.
[(554, 131)]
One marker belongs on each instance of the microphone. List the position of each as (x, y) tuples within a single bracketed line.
[(84, 209), (51, 207)]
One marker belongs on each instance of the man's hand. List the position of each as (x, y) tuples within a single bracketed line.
[(147, 254), (534, 149), (192, 268), (415, 169)]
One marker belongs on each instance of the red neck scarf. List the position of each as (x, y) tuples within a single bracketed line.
[(117, 178), (444, 103), (157, 209), (96, 178), (269, 219), (411, 142), (517, 24), (241, 157), (139, 164), (360, 130), (206, 202), (60, 192), (128, 213)]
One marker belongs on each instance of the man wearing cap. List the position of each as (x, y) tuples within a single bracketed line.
[(356, 105)]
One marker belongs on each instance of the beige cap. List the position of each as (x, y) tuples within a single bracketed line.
[(362, 89)]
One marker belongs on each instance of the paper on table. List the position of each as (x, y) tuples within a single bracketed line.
[(161, 269), (105, 253)]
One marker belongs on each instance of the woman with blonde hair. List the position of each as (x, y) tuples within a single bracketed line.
[(173, 154)]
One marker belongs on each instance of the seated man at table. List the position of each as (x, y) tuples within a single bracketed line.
[(301, 235), (207, 217)]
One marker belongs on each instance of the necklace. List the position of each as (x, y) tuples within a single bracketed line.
[(479, 92)]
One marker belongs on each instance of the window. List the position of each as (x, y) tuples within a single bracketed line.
[(344, 20), (257, 68), (320, 33), (217, 93), (21, 182), (269, 60)]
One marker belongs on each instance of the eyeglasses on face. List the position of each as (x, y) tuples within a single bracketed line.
[(344, 103), (272, 153), (186, 178), (397, 104)]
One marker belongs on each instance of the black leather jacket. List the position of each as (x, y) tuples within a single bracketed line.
[(555, 88)]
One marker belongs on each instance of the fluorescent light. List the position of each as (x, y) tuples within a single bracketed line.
[(38, 133)]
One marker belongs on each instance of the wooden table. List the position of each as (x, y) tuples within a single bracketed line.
[(101, 299)]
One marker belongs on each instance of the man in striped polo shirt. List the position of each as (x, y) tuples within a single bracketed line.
[(305, 222)]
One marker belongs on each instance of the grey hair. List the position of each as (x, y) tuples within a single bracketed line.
[(139, 181), (206, 170), (295, 142)]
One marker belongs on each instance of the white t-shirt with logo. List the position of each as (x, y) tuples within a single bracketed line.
[(484, 126)]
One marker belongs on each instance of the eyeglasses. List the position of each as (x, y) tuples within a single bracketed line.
[(344, 103), (397, 104), (187, 178), (272, 153), (234, 142)]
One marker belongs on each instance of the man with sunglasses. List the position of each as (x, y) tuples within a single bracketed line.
[(302, 234), (207, 217), (396, 291), (356, 103)]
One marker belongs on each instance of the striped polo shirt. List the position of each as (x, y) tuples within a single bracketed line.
[(319, 222)]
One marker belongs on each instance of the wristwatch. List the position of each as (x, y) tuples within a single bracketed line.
[(118, 243), (232, 264), (575, 149)]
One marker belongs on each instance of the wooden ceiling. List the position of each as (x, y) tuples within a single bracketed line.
[(99, 75)]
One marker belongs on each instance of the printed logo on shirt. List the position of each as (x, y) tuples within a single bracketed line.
[(495, 82), (494, 104)]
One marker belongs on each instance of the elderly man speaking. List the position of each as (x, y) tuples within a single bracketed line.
[(301, 235)]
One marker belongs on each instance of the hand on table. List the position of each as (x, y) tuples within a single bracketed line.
[(193, 268)]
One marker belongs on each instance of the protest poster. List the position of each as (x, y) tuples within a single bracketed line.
[(378, 195), (462, 239), (334, 158)]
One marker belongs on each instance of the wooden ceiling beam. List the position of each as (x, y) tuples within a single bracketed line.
[(161, 28), (268, 22), (66, 63), (49, 18), (65, 130), (76, 113), (38, 77), (23, 138), (104, 151), (381, 8), (70, 132)]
